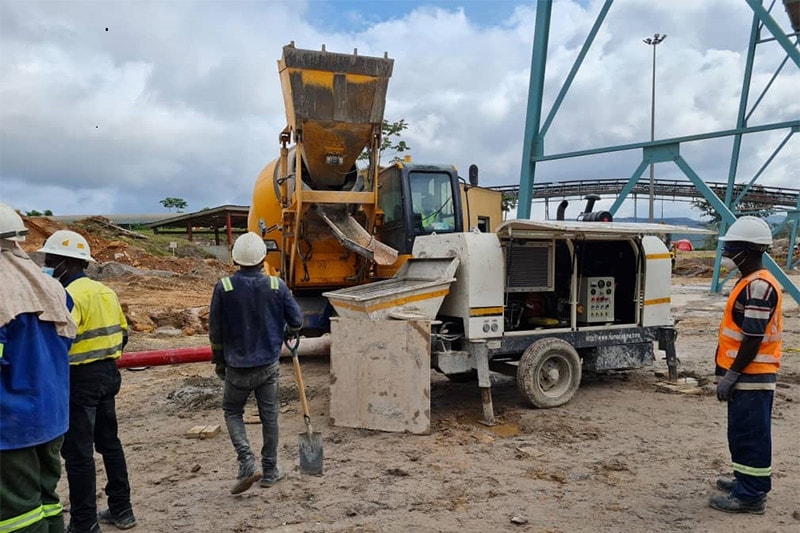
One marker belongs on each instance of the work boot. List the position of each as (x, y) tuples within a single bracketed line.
[(269, 480), (248, 474), (726, 484), (123, 520), (94, 529), (732, 504)]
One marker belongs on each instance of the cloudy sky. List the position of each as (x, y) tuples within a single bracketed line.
[(111, 106)]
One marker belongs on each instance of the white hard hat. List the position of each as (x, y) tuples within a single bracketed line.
[(11, 226), (249, 250), (66, 243), (749, 229)]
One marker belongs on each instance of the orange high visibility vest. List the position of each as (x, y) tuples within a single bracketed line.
[(768, 359)]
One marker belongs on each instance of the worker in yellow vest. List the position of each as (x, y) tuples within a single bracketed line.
[(747, 361), (94, 384)]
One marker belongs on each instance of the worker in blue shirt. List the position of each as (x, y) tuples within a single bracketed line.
[(36, 332), (249, 314)]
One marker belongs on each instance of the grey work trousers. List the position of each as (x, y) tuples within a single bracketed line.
[(239, 383)]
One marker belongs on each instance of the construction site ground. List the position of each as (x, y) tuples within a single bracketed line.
[(627, 453)]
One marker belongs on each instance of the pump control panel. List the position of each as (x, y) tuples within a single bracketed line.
[(596, 300)]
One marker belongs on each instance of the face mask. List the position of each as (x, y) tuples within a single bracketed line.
[(727, 263), (51, 271), (733, 253)]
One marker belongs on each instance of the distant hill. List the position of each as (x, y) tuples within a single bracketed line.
[(676, 221), (698, 241)]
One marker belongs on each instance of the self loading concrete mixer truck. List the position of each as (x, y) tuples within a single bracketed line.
[(543, 301), (328, 223)]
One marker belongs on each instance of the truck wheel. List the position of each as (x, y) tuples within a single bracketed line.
[(549, 373)]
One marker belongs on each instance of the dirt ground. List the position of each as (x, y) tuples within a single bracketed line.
[(622, 456)]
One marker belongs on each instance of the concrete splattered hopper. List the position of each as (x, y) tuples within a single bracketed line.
[(333, 102), (416, 291)]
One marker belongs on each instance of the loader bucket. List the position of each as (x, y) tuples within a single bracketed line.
[(333, 101)]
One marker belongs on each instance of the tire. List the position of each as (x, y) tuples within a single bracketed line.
[(549, 373)]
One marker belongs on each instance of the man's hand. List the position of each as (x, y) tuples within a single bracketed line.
[(219, 368), (290, 333), (727, 386)]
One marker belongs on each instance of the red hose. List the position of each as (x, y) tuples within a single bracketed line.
[(173, 356), (202, 354)]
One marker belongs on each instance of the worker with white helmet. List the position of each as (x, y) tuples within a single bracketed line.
[(94, 384), (36, 331), (246, 323), (747, 360)]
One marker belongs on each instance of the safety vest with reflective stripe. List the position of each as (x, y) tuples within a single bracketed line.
[(227, 285), (768, 359), (101, 322)]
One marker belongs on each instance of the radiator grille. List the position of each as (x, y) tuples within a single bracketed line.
[(529, 267)]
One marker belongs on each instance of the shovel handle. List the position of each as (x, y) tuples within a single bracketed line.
[(298, 375)]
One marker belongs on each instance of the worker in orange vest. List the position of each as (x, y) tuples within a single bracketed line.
[(747, 361)]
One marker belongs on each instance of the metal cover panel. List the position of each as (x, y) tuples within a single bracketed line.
[(512, 228), (381, 376)]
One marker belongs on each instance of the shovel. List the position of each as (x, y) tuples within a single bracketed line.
[(310, 440)]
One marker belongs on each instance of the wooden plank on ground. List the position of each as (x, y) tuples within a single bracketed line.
[(203, 432), (682, 386)]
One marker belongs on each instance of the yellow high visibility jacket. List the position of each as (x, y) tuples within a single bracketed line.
[(101, 323), (768, 359)]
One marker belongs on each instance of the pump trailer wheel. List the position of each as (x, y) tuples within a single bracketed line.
[(549, 373)]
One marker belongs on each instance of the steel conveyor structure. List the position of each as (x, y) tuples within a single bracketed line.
[(668, 150)]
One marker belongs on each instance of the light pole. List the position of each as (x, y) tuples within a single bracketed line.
[(653, 41)]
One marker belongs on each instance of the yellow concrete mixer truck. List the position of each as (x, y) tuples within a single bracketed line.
[(328, 223)]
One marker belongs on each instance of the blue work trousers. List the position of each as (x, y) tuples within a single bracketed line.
[(93, 424), (239, 383), (750, 442)]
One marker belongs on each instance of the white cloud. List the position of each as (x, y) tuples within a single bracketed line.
[(183, 99)]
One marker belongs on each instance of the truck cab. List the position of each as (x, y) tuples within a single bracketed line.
[(418, 200)]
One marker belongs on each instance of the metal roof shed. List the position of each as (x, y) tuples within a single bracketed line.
[(208, 221)]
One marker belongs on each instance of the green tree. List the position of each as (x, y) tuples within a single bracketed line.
[(170, 202), (755, 202), (509, 201), (33, 213), (391, 133)]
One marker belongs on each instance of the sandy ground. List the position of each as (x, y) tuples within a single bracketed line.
[(622, 456)]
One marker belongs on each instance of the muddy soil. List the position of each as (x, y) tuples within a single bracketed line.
[(622, 456)]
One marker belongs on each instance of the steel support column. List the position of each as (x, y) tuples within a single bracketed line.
[(533, 145)]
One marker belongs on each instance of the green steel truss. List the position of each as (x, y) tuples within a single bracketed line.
[(664, 150)]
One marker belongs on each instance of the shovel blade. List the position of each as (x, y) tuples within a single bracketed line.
[(311, 453)]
